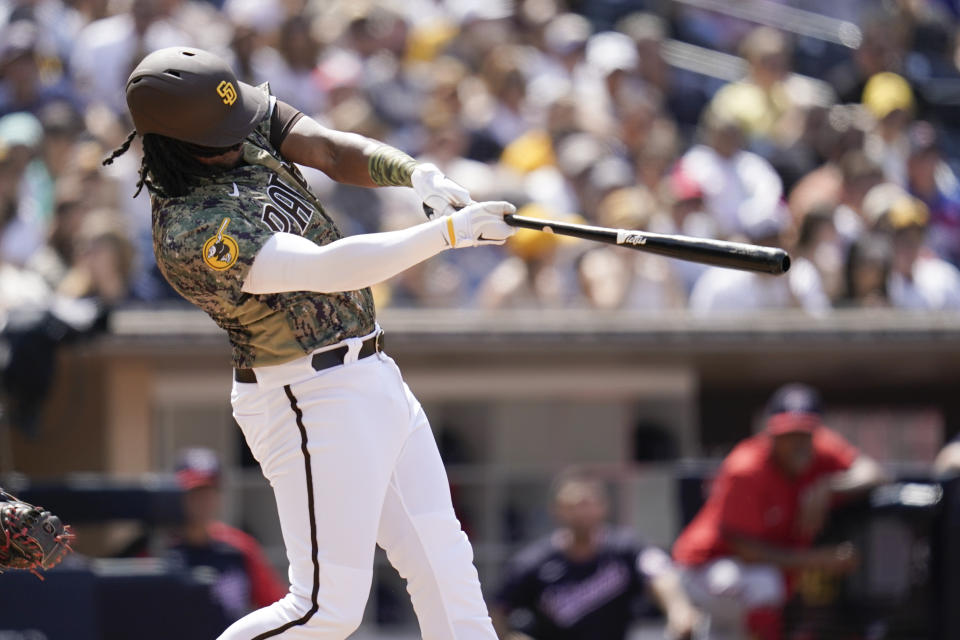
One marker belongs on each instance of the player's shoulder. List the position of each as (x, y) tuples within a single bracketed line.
[(198, 212), (179, 221), (175, 220), (828, 441), (619, 539), (533, 555), (176, 214), (261, 133), (197, 234), (748, 457), (233, 537)]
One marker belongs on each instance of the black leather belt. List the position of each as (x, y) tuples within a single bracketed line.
[(324, 359)]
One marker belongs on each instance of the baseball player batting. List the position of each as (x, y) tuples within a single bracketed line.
[(342, 440)]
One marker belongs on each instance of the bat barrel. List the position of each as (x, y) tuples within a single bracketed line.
[(733, 255), (720, 253)]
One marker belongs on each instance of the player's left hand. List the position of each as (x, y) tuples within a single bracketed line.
[(441, 195), (30, 537), (682, 622)]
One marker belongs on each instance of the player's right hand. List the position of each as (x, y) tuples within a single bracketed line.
[(478, 223)]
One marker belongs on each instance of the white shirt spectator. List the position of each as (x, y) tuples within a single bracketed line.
[(21, 288), (548, 187), (265, 16), (58, 24), (607, 52), (806, 285), (506, 125), (655, 286), (741, 187), (892, 156), (727, 290), (848, 223), (106, 52), (697, 224), (301, 88), (265, 62), (934, 286)]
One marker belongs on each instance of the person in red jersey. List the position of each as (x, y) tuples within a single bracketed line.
[(241, 578), (769, 501)]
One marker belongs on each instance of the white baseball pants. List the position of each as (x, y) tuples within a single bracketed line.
[(353, 463), (726, 589)]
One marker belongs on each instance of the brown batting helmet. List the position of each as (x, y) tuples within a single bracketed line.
[(192, 95)]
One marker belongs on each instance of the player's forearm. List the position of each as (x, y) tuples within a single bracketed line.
[(948, 460), (835, 558), (346, 157), (762, 553), (669, 593), (864, 474), (291, 263), (502, 626)]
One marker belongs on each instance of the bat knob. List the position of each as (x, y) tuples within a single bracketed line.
[(782, 262)]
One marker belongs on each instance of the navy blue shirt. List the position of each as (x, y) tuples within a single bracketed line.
[(592, 600), (233, 564), (224, 567)]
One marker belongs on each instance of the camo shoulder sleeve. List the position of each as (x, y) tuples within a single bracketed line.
[(206, 252)]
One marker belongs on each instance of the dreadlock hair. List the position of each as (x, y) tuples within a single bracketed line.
[(119, 151), (170, 167)]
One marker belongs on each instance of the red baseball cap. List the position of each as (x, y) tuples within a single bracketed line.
[(794, 408)]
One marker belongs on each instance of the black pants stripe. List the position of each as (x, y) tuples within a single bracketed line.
[(313, 524)]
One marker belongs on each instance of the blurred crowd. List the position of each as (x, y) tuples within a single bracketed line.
[(839, 143)]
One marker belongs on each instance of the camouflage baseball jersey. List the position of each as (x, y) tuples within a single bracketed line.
[(206, 241)]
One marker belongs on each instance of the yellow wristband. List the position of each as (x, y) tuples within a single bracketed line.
[(450, 233)]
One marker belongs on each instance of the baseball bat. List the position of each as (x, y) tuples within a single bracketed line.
[(721, 253)]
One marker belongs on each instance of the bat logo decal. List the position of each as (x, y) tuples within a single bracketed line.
[(631, 237)]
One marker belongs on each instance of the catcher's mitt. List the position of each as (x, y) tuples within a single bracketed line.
[(30, 537)]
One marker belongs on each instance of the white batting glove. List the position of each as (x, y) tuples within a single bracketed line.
[(441, 195), (478, 223)]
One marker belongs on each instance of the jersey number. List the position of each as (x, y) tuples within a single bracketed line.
[(288, 210)]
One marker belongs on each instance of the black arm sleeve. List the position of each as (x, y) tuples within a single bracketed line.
[(281, 121)]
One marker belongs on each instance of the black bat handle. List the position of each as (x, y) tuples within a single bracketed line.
[(587, 232)]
